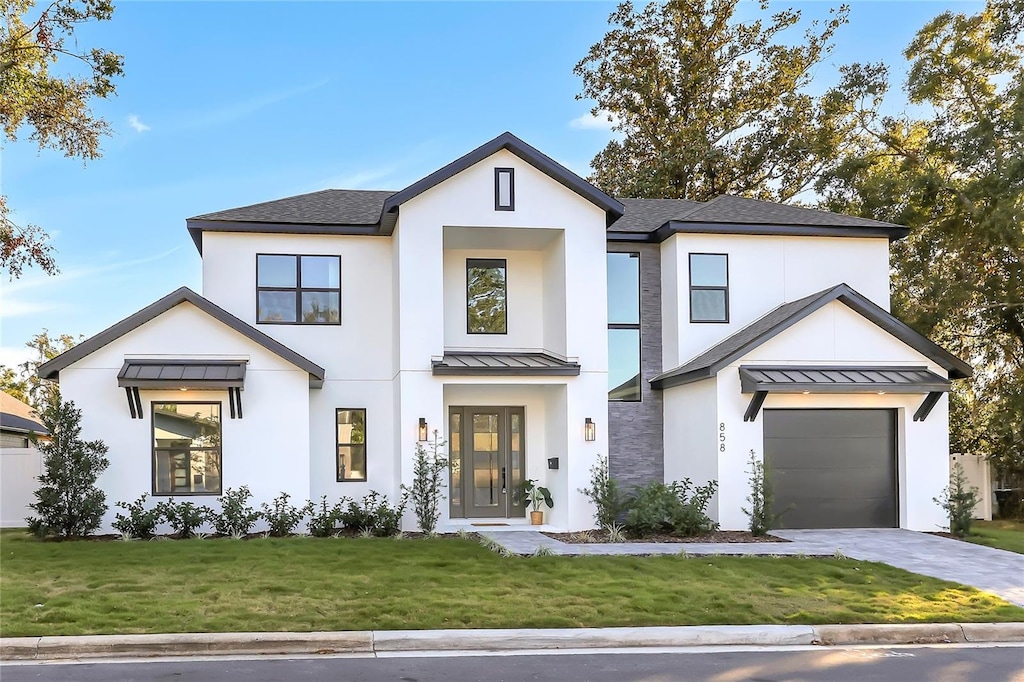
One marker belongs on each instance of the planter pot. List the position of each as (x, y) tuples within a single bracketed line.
[(536, 518)]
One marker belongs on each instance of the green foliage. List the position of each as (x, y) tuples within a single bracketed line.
[(952, 169), (323, 518), (958, 501), (184, 517), (235, 518), (68, 503), (24, 383), (536, 495), (676, 508), (485, 302), (140, 523), (761, 499), (284, 518), (374, 515), (709, 105), (427, 484), (609, 502)]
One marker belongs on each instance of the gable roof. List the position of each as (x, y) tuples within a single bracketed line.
[(18, 416), (712, 360), (51, 369), (542, 162)]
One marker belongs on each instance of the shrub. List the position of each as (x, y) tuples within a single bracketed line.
[(235, 517), (609, 501), (68, 503), (660, 508), (427, 483), (184, 517), (284, 518), (140, 522), (323, 519), (761, 499), (958, 500), (375, 516)]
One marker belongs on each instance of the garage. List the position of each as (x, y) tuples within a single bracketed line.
[(832, 468)]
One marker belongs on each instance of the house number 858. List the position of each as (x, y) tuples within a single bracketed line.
[(721, 437)]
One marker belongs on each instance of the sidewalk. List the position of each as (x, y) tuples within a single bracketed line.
[(379, 641)]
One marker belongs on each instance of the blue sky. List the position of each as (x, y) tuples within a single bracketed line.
[(228, 104)]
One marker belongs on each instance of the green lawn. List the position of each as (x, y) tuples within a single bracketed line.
[(1004, 534), (354, 584)]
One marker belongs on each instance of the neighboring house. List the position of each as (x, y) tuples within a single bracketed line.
[(21, 463), (535, 323)]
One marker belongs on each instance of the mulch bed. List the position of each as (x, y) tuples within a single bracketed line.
[(726, 536)]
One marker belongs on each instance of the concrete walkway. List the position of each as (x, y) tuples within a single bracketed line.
[(992, 570)]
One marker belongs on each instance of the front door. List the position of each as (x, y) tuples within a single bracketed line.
[(487, 461)]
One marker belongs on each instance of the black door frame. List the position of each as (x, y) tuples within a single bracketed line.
[(511, 505)]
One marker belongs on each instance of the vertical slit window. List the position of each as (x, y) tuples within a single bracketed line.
[(709, 287), (504, 189), (298, 289), (486, 300), (351, 441), (624, 327)]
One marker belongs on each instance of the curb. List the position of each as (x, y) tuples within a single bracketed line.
[(373, 642)]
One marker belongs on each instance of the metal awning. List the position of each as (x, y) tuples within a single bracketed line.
[(509, 364), (185, 375), (761, 381)]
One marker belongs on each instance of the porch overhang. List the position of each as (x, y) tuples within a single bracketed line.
[(762, 380), (504, 364), (185, 374)]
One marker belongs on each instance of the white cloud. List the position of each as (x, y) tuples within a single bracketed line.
[(13, 356), (589, 121), (138, 125), (241, 109)]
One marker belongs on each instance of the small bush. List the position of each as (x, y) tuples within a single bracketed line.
[(761, 499), (140, 523), (604, 492), (323, 519), (184, 517), (427, 484), (676, 509), (235, 517), (958, 500), (284, 518), (375, 515)]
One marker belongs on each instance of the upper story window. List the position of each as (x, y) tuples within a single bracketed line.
[(298, 289), (504, 189), (486, 300), (186, 448), (709, 287), (624, 327)]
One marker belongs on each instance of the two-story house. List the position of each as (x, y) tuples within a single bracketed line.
[(535, 323)]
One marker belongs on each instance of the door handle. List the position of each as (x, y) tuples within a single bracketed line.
[(503, 480)]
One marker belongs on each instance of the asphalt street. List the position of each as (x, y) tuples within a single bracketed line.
[(895, 664)]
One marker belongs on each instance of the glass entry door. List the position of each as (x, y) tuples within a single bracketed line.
[(487, 461)]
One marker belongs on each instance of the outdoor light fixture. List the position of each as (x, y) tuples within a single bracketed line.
[(589, 430), (423, 429)]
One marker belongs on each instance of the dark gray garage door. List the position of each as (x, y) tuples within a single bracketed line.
[(832, 468)]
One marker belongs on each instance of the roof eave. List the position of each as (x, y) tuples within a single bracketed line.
[(891, 232), (196, 228)]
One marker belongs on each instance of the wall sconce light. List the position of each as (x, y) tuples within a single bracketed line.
[(589, 430), (423, 430)]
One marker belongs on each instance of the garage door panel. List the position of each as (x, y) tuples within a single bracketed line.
[(832, 468)]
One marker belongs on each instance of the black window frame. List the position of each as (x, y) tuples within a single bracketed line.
[(694, 287), (511, 189), (298, 289), (338, 445), (153, 448), (632, 326), (504, 267)]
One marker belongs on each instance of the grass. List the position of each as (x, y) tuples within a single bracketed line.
[(308, 584), (1001, 533)]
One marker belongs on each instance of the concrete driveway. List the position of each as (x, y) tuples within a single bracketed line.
[(992, 570)]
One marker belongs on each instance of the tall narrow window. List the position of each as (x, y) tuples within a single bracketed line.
[(486, 305), (624, 327), (298, 289), (504, 189), (351, 438), (186, 449), (709, 287)]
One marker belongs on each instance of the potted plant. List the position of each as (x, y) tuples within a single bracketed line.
[(536, 495)]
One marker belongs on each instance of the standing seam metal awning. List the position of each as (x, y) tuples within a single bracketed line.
[(848, 379), (183, 374), (504, 363)]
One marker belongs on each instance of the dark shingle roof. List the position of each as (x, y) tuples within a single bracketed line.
[(647, 215), (326, 207), (708, 363), (730, 209), (12, 422)]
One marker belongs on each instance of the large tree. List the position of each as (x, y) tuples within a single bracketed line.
[(53, 107), (952, 169), (23, 383), (708, 105)]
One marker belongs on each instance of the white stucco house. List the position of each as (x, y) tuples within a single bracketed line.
[(536, 323)]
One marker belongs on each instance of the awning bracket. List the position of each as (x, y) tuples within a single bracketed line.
[(755, 406), (926, 406)]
